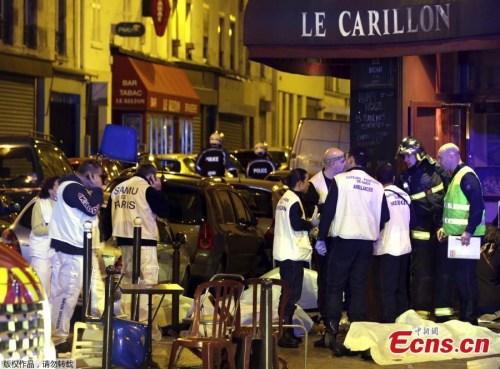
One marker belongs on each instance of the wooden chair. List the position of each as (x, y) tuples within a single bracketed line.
[(224, 297), (248, 333)]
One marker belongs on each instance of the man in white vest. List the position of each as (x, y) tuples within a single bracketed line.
[(333, 164), (79, 198), (139, 196), (354, 212)]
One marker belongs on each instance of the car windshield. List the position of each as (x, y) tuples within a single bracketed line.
[(186, 205), (278, 156), (190, 163), (259, 202), (15, 161), (173, 165)]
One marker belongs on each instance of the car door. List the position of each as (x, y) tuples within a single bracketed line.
[(240, 239)]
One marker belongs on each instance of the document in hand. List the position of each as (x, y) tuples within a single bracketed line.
[(458, 251)]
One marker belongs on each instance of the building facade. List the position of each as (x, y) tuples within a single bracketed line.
[(64, 64), (424, 68)]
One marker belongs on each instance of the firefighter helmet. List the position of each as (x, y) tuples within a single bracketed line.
[(216, 138), (260, 148), (410, 145)]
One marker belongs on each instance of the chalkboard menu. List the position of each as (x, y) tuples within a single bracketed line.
[(374, 106)]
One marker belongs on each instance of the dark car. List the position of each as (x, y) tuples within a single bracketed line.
[(277, 175), (221, 231), (279, 155), (112, 168), (183, 163), (25, 161), (262, 197)]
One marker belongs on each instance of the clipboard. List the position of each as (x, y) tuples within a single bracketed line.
[(457, 251)]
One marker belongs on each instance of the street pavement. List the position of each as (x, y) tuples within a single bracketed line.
[(317, 358)]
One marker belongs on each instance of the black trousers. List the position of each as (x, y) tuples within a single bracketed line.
[(348, 264), (431, 285), (465, 278), (322, 264), (292, 272), (391, 285)]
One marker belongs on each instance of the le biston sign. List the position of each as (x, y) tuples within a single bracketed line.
[(365, 29)]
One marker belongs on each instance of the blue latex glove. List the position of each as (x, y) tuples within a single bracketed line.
[(320, 247)]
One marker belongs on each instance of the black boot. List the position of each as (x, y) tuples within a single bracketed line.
[(289, 320), (286, 340), (366, 355), (468, 311), (332, 331), (321, 342)]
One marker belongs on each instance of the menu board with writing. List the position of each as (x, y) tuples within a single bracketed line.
[(374, 106)]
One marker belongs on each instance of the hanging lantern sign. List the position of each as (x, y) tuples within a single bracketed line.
[(160, 11)]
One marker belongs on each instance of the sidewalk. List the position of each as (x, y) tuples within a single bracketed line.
[(317, 358)]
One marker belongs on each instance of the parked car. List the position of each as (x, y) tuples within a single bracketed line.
[(279, 155), (25, 161), (112, 168), (219, 226), (16, 237), (262, 197), (277, 175), (182, 163), (176, 163)]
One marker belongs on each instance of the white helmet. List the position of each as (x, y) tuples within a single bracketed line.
[(260, 148), (216, 138)]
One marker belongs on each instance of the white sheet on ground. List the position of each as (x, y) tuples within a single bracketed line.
[(378, 337), (246, 306), (309, 297)]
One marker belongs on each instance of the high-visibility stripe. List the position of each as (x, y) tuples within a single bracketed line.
[(24, 279), (456, 221), (420, 235), (4, 272), (421, 195), (446, 311), (449, 205), (423, 314)]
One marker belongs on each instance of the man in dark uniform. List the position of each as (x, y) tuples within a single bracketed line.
[(463, 217), (426, 183), (262, 164), (214, 160)]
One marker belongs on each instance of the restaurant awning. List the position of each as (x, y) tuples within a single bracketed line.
[(319, 37), (142, 85)]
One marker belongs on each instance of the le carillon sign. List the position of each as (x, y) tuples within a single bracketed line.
[(367, 28)]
